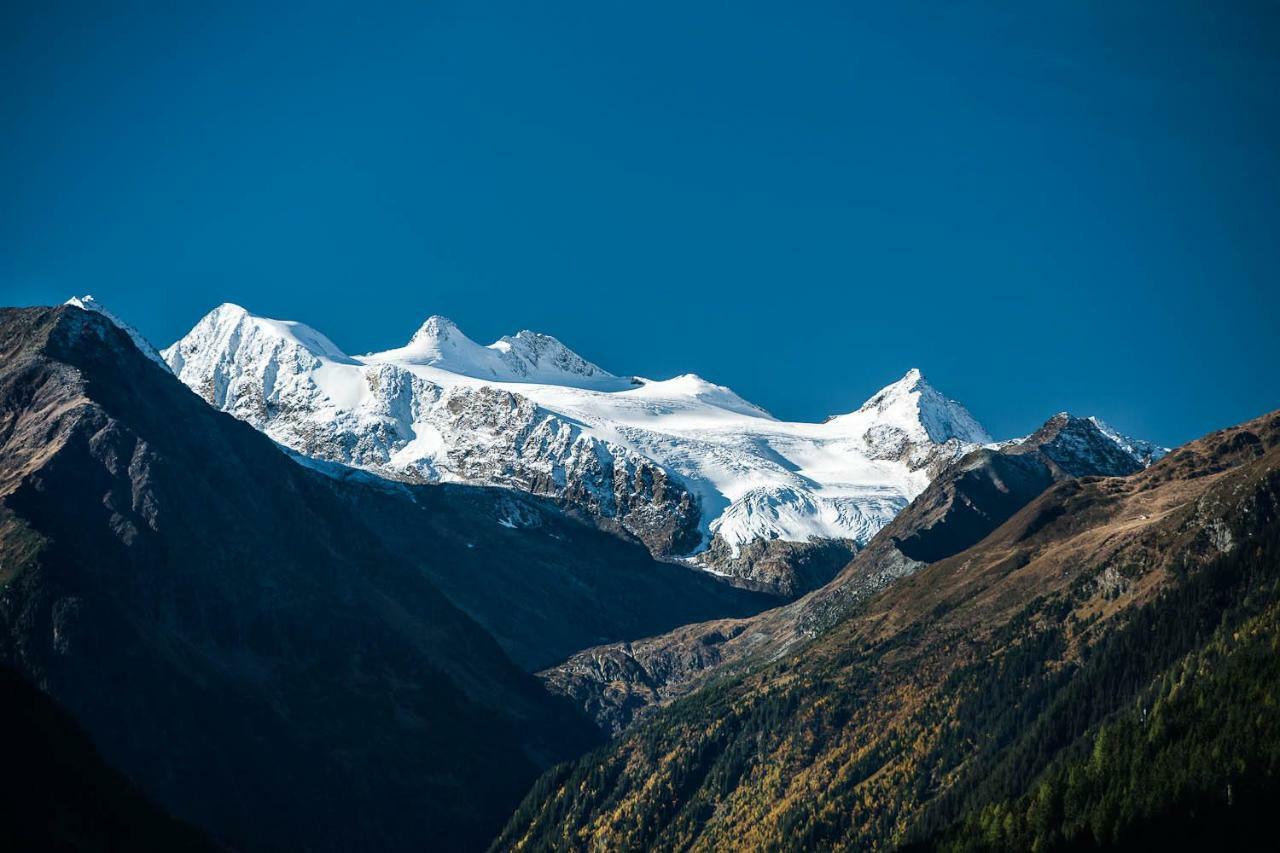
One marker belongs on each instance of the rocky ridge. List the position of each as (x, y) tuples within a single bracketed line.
[(622, 682)]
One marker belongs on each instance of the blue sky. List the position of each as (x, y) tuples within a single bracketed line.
[(1072, 208)]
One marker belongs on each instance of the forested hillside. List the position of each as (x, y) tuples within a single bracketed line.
[(1019, 692), (1182, 738)]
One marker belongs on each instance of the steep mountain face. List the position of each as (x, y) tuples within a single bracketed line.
[(621, 682), (228, 630), (689, 468), (543, 584), (778, 566), (1143, 451), (56, 792), (1090, 668)]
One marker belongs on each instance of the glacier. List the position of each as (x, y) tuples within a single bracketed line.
[(528, 412)]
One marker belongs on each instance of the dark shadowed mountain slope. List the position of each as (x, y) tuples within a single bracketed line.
[(57, 794), (227, 630), (962, 688), (543, 584), (964, 503)]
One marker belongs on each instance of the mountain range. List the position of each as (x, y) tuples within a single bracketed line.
[(1097, 670), (621, 682), (457, 595), (225, 627), (689, 468)]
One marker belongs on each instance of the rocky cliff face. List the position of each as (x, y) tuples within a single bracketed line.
[(777, 566), (496, 436), (965, 503)]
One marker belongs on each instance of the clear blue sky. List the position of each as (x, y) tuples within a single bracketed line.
[(1072, 208)]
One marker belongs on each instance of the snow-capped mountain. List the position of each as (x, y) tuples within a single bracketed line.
[(689, 467), (402, 416), (686, 465)]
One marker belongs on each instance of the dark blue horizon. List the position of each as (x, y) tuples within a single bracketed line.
[(1072, 209)]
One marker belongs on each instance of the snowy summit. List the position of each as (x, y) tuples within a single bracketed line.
[(526, 411), (689, 467)]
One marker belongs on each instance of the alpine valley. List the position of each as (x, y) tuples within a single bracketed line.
[(257, 593)]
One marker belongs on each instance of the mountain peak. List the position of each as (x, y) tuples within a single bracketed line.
[(1089, 445), (88, 303), (914, 405), (1078, 447), (534, 354), (440, 343), (230, 309), (912, 382), (526, 356), (530, 334), (912, 378), (434, 329), (230, 332)]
